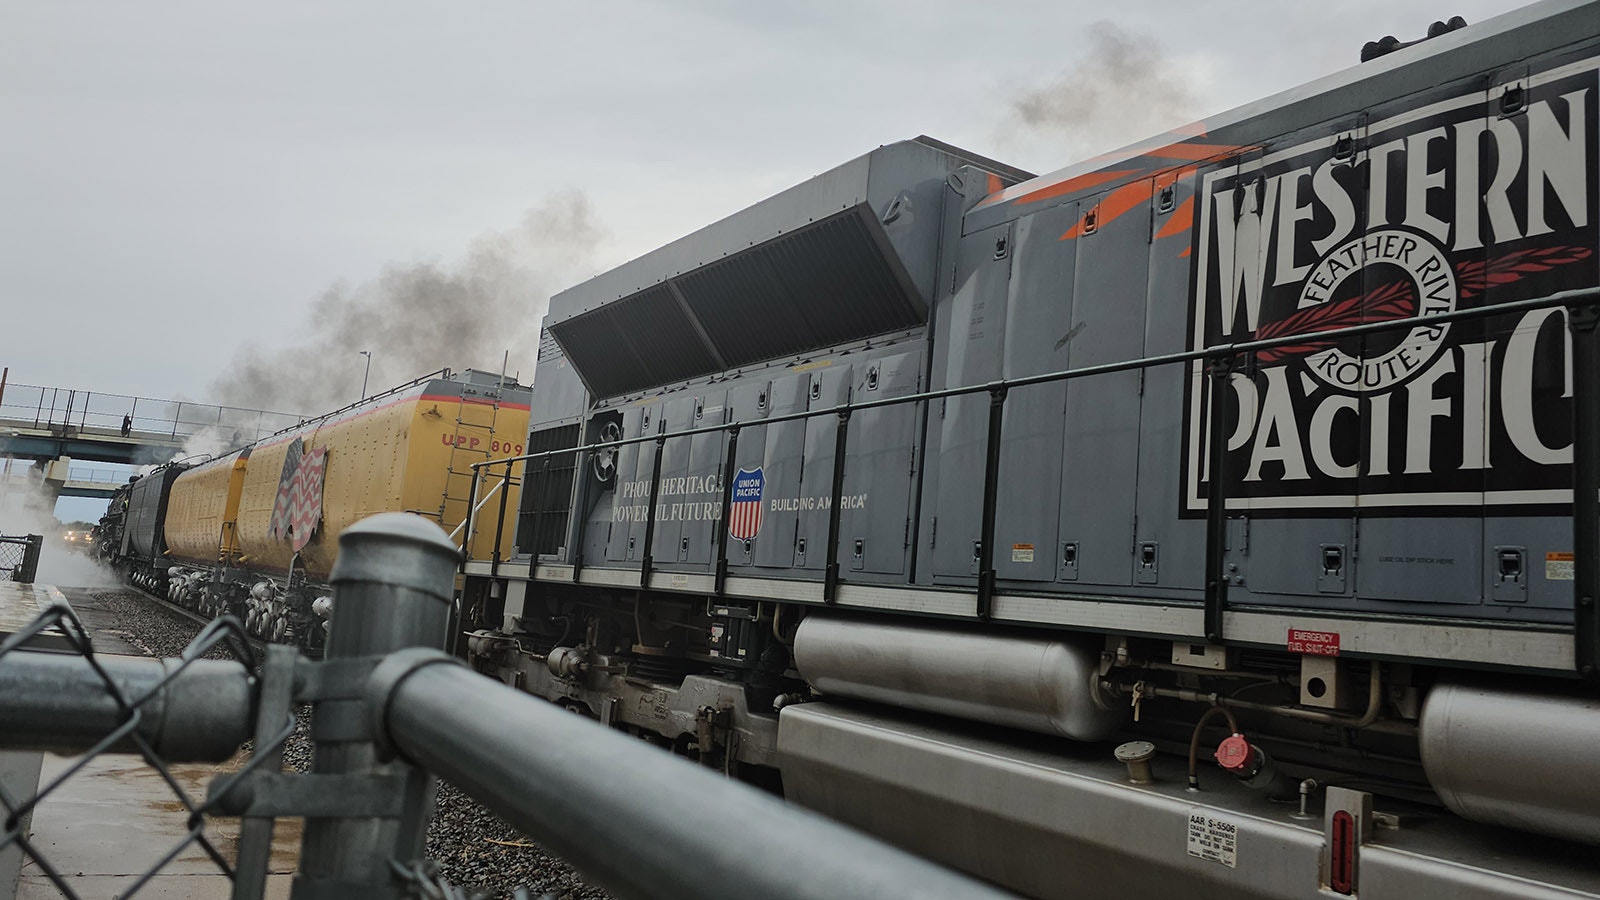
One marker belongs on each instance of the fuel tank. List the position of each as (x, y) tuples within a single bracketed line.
[(1048, 685), (1515, 758)]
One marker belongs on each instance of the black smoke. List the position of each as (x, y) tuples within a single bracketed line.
[(1124, 87), (421, 317)]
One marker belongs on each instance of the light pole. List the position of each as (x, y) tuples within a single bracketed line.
[(368, 355)]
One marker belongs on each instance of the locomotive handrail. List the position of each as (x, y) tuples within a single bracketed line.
[(1583, 298), (1583, 307)]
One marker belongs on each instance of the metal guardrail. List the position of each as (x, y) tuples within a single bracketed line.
[(19, 557), (62, 410), (390, 711), (1220, 362)]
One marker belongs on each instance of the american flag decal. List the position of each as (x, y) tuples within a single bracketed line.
[(744, 511), (298, 509), (279, 524), (305, 500)]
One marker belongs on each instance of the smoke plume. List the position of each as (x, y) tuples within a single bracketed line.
[(26, 508), (422, 317), (1122, 89)]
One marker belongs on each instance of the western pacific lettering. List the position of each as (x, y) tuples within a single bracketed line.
[(1544, 155)]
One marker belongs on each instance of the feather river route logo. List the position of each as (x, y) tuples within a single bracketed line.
[(1430, 287)]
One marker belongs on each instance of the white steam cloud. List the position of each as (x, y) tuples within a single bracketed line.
[(25, 508)]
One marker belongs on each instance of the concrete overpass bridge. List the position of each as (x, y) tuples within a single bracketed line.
[(44, 423), (55, 425)]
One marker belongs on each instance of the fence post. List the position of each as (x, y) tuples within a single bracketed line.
[(29, 567), (392, 590)]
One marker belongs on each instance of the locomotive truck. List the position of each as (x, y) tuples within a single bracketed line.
[(254, 532), (1199, 515)]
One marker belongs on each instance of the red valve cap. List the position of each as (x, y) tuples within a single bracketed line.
[(1235, 753)]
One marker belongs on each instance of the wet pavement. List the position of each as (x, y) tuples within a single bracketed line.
[(117, 817)]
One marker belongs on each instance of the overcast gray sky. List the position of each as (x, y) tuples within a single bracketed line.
[(181, 179)]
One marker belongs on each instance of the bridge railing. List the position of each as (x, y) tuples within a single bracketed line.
[(390, 712), (66, 410), (97, 475)]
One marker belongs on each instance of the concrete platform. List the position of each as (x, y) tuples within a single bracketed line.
[(20, 604), (116, 818)]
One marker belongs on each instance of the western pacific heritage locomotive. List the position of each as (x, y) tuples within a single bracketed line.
[(1285, 591)]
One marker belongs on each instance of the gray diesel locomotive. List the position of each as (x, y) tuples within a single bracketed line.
[(1205, 511)]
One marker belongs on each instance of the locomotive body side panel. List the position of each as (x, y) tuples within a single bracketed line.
[(147, 510), (1179, 543), (447, 433), (203, 509), (1100, 449), (364, 474), (1439, 452), (1039, 338), (969, 347), (880, 470)]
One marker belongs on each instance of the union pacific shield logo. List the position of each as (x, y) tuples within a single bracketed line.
[(744, 511)]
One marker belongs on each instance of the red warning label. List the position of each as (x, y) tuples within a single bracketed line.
[(1313, 643)]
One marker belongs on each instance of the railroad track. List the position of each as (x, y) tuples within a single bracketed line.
[(256, 644)]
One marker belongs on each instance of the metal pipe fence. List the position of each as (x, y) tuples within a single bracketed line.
[(1217, 365), (391, 711)]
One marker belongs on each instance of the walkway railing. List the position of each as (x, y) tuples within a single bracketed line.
[(109, 477), (65, 411), (1219, 364), (390, 711)]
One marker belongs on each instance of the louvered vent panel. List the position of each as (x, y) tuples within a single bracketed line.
[(828, 283)]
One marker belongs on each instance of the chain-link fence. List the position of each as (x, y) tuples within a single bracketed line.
[(126, 699), (19, 557), (389, 714)]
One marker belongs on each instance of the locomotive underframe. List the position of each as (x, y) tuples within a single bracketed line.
[(1033, 807)]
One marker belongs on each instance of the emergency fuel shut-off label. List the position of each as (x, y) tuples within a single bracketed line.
[(1213, 839)]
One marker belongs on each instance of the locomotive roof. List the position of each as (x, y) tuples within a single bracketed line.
[(847, 254), (1439, 60)]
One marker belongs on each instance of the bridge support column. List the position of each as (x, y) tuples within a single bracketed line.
[(55, 477)]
